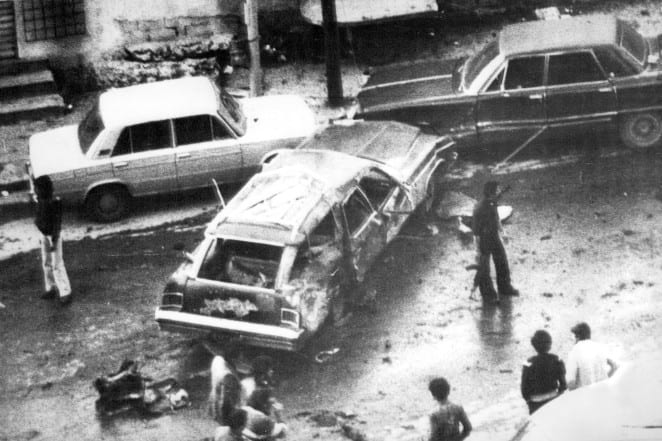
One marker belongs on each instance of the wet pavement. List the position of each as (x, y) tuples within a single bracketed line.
[(580, 250)]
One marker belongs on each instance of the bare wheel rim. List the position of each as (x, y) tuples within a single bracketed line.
[(645, 130)]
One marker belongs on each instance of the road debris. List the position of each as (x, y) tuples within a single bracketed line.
[(128, 389), (325, 356)]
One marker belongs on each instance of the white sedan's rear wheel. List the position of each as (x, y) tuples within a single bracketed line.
[(641, 131)]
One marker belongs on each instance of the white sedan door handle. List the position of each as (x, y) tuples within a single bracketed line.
[(121, 164), (605, 89), (535, 96), (183, 155)]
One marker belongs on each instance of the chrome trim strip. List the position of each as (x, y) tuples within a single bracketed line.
[(398, 83), (640, 109), (245, 329), (590, 118)]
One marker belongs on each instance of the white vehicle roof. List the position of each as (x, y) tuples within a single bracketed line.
[(159, 100)]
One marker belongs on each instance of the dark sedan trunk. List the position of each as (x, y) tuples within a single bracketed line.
[(400, 85)]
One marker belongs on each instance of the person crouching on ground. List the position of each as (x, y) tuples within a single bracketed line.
[(543, 375), (48, 219), (446, 420)]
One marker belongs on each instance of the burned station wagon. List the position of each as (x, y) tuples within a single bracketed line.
[(554, 78), (163, 137), (280, 258)]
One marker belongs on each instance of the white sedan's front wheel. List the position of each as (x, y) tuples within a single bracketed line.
[(641, 131)]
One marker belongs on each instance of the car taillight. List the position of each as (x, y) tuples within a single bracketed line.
[(290, 317), (172, 301)]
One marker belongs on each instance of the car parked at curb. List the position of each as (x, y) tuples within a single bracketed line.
[(287, 251), (164, 137), (555, 78)]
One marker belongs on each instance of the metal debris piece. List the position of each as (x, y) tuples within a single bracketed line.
[(325, 356)]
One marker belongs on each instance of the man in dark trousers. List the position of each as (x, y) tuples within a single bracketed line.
[(48, 219), (543, 375), (487, 229)]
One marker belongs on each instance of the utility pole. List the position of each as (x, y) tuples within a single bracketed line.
[(332, 53), (253, 34)]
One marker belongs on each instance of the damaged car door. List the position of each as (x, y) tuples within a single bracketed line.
[(366, 229), (389, 199)]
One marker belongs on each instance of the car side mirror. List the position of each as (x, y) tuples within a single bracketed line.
[(188, 256)]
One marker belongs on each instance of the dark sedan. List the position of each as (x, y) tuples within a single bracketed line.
[(552, 78)]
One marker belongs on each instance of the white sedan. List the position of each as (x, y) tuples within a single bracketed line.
[(163, 137)]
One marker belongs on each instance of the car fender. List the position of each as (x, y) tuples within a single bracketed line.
[(105, 182)]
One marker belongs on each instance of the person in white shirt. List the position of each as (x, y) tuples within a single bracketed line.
[(588, 361)]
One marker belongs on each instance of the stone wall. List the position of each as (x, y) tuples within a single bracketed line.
[(172, 28)]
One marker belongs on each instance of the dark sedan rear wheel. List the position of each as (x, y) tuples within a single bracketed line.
[(108, 203), (642, 131)]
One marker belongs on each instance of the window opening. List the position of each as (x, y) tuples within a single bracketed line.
[(49, 19)]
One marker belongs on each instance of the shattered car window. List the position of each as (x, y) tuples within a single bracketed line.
[(243, 263), (324, 232), (357, 211), (377, 188)]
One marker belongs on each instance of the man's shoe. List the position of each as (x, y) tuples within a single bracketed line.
[(512, 292), (65, 300), (50, 294)]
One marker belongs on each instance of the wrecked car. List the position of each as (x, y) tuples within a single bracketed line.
[(163, 137), (286, 252), (551, 79)]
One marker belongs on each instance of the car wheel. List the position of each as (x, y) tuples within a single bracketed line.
[(641, 131), (108, 204)]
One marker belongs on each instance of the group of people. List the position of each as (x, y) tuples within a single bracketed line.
[(544, 377), (245, 408)]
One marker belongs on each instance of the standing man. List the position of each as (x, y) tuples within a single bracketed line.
[(48, 220), (488, 231), (543, 375), (588, 361)]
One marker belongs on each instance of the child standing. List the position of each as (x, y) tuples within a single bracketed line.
[(446, 420), (543, 375)]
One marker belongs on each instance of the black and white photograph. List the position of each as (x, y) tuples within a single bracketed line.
[(331, 220)]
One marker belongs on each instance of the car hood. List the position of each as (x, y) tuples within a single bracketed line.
[(624, 407), (387, 142), (55, 150), (397, 85), (277, 116)]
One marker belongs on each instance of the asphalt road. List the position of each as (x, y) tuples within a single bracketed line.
[(583, 243)]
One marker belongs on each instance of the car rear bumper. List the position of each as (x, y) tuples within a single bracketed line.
[(254, 334)]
